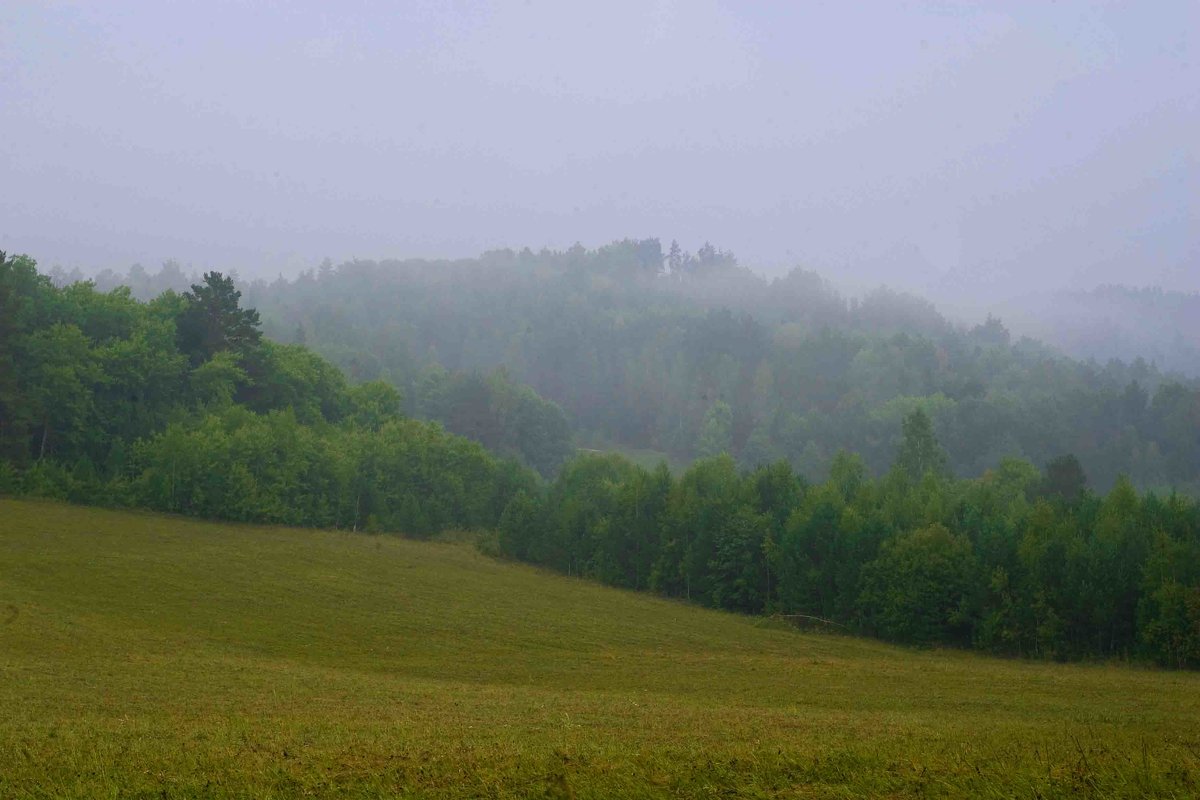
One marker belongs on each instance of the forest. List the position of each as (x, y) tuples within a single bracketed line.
[(1020, 561), (690, 355), (181, 405), (860, 463)]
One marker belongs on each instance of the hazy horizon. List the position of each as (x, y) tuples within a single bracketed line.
[(965, 153)]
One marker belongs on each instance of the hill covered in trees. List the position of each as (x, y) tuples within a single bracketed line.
[(692, 355)]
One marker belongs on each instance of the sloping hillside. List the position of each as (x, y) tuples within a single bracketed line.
[(143, 655)]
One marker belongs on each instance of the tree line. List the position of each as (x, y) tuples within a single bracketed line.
[(1019, 561), (179, 404)]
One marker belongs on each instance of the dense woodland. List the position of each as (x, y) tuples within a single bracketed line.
[(691, 355), (180, 405), (864, 463), (1019, 561)]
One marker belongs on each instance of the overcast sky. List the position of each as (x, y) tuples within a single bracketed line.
[(974, 147)]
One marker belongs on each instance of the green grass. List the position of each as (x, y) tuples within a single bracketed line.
[(147, 656)]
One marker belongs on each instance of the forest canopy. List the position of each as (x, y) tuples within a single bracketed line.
[(645, 347), (180, 405)]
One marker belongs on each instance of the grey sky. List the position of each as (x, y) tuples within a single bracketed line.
[(941, 146)]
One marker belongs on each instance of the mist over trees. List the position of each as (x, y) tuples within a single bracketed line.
[(863, 462), (1120, 322), (646, 347)]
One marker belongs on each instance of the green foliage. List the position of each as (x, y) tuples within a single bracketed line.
[(178, 405), (519, 525), (716, 432), (920, 588), (60, 373), (919, 451), (10, 479), (930, 560), (1168, 613), (373, 404), (1171, 624), (739, 562), (215, 382), (1064, 479), (291, 376), (404, 476), (506, 417)]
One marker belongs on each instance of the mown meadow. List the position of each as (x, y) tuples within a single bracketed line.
[(155, 656)]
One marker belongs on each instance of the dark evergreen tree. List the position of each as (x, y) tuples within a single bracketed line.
[(212, 321)]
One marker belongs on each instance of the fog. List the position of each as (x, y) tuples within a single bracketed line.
[(972, 154)]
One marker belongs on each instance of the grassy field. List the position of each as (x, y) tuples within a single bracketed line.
[(146, 656)]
